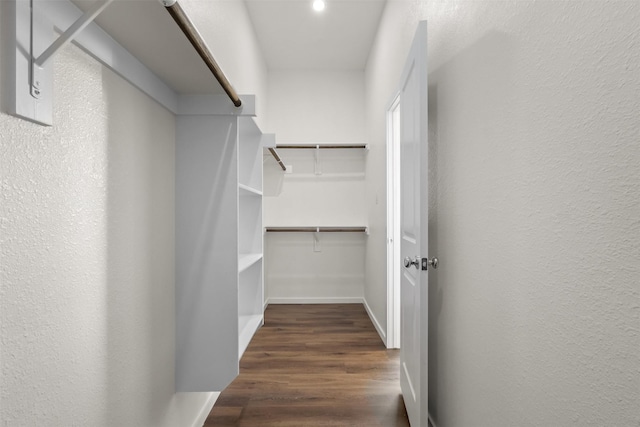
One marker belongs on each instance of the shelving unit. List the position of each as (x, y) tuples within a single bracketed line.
[(218, 188), (219, 253), (250, 234), (316, 223)]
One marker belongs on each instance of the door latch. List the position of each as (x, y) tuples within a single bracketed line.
[(426, 262)]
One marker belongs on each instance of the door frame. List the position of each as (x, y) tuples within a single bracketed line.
[(393, 223)]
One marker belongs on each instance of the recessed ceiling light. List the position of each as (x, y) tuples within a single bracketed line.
[(318, 5)]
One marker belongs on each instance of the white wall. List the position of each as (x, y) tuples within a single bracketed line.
[(535, 185), (87, 258), (315, 107)]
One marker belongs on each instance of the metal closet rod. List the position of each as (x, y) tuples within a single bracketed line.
[(321, 146), (278, 159), (317, 229), (189, 30)]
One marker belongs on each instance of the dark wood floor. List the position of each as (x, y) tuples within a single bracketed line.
[(314, 365)]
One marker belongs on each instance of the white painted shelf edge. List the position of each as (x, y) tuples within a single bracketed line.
[(323, 145), (247, 260), (247, 325), (316, 229), (248, 191), (326, 175)]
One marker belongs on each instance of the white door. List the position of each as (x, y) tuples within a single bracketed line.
[(413, 230)]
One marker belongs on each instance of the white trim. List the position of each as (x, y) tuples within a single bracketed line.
[(206, 409), (375, 322), (314, 300), (433, 423), (393, 228)]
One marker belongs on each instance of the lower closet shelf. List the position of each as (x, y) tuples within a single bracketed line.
[(247, 325), (317, 229), (247, 260)]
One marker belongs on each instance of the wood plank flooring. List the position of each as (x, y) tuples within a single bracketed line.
[(314, 365)]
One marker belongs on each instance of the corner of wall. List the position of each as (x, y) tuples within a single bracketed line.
[(201, 417), (381, 330)]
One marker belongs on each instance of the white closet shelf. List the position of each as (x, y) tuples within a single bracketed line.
[(247, 325), (322, 146), (130, 23), (327, 176), (226, 316), (317, 229), (247, 260), (118, 37), (245, 190)]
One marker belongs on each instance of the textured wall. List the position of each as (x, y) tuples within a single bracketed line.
[(535, 183), (87, 259)]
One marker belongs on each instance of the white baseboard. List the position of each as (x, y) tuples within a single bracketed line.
[(313, 300), (433, 424), (376, 324), (206, 409)]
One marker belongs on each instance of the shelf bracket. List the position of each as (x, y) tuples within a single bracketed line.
[(66, 37), (275, 155), (316, 154), (316, 241), (33, 94)]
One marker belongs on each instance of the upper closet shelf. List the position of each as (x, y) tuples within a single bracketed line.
[(322, 146), (245, 190), (247, 260), (315, 150), (318, 229), (160, 53)]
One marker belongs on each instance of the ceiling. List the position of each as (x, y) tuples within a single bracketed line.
[(293, 36)]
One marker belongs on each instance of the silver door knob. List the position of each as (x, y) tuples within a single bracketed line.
[(433, 262), (408, 262)]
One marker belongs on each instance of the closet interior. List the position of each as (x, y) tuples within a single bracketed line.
[(315, 224), (256, 222), (219, 296)]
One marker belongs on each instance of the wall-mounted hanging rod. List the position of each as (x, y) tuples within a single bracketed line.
[(189, 30), (317, 229), (316, 146), (274, 153)]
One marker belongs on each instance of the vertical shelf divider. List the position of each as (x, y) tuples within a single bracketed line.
[(219, 247)]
